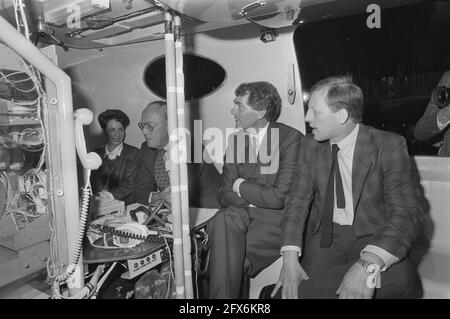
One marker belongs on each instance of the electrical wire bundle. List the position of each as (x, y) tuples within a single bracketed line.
[(91, 289), (24, 205), (20, 81), (7, 193), (30, 139)]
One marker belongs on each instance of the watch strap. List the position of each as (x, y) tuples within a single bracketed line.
[(364, 263)]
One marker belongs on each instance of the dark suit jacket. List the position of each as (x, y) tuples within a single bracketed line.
[(203, 180), (386, 204), (426, 128), (120, 172), (265, 191)]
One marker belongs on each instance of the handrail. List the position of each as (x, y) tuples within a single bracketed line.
[(174, 172)]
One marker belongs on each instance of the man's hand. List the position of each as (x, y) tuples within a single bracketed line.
[(291, 276), (354, 284), (163, 195), (104, 196)]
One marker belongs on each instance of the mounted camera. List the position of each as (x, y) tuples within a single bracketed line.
[(441, 96)]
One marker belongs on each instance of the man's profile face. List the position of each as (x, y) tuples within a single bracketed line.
[(245, 116), (155, 127), (320, 117)]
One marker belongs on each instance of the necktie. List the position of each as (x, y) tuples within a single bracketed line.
[(328, 209), (161, 175)]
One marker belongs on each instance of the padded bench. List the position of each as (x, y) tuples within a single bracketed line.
[(431, 253)]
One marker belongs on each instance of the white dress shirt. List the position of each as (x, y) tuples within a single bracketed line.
[(114, 153), (259, 138)]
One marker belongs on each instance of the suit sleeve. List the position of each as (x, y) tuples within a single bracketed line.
[(144, 181), (125, 186), (208, 185), (226, 195), (299, 199), (273, 197), (427, 127), (401, 202)]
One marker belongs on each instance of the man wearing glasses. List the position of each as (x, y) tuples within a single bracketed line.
[(153, 151), (152, 181)]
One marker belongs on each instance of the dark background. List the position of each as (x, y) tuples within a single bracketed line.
[(397, 65)]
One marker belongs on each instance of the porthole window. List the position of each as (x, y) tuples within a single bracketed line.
[(201, 76)]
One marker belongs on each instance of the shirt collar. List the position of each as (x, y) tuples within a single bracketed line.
[(114, 153), (350, 140)]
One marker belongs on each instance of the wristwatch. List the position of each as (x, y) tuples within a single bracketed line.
[(369, 267)]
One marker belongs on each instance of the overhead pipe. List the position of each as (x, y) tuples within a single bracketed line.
[(23, 47), (174, 173), (184, 190)]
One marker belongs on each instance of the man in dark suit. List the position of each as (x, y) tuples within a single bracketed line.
[(435, 121), (152, 172), (353, 210), (244, 236)]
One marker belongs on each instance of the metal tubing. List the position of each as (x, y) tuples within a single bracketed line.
[(183, 168), (173, 157), (22, 46)]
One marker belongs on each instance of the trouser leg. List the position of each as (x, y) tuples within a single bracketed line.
[(227, 242), (327, 267)]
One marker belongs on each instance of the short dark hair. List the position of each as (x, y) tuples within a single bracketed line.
[(262, 96), (343, 93), (118, 115)]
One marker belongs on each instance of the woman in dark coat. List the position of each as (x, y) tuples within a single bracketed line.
[(114, 179)]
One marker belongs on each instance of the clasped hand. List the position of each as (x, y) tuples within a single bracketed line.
[(163, 196)]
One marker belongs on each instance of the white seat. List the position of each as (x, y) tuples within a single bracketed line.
[(266, 277), (434, 248)]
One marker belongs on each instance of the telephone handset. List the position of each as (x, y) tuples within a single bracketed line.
[(89, 160)]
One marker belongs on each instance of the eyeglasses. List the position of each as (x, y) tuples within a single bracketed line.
[(148, 126)]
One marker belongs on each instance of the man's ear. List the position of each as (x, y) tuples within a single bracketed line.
[(342, 116), (261, 114)]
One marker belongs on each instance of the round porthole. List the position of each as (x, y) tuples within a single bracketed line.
[(201, 76)]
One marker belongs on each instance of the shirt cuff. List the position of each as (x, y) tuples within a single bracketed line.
[(237, 183), (291, 247), (440, 125), (387, 257)]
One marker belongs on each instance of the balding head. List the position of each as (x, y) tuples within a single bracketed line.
[(158, 108), (154, 124)]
